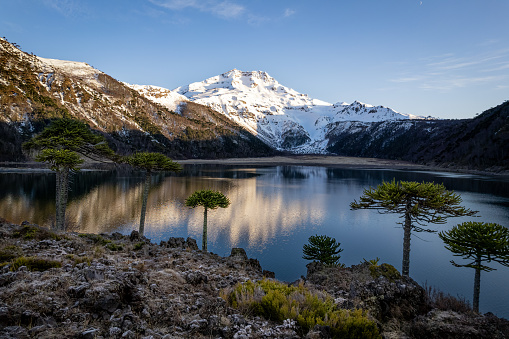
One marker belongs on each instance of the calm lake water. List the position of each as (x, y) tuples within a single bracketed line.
[(274, 210)]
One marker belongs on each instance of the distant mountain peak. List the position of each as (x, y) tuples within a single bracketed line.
[(278, 115)]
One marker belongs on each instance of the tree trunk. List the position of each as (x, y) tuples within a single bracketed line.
[(477, 284), (204, 241), (62, 183), (146, 187), (407, 227)]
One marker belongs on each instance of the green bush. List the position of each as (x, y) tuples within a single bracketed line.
[(138, 246), (384, 270), (277, 301), (114, 247), (10, 252), (35, 264), (95, 238)]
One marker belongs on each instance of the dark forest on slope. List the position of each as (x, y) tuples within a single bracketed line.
[(478, 143)]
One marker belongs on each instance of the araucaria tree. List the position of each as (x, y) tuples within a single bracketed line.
[(62, 145), (322, 248), (418, 204), (150, 162), (209, 199), (479, 242)]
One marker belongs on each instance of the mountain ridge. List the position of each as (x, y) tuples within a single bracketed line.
[(34, 90), (280, 116), (133, 118)]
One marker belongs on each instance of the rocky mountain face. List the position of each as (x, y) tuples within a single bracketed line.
[(33, 90)]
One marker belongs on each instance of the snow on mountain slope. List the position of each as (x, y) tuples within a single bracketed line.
[(160, 95), (80, 70), (358, 111), (278, 115)]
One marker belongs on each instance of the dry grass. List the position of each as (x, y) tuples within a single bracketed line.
[(446, 302)]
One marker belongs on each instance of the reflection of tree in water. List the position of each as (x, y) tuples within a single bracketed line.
[(27, 196), (262, 204), (31, 196), (290, 172)]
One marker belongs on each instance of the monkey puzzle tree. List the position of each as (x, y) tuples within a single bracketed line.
[(478, 241), (322, 248), (417, 203), (150, 162), (62, 144), (209, 200)]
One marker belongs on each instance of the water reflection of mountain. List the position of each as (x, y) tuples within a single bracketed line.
[(266, 201), (105, 202)]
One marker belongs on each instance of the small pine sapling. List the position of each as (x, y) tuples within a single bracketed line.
[(324, 249)]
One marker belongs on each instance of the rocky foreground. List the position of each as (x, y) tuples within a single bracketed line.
[(115, 286)]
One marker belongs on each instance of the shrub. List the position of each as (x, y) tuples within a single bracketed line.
[(95, 238), (10, 252), (29, 232), (35, 264), (384, 270), (114, 247), (79, 260), (138, 246), (446, 302), (278, 301)]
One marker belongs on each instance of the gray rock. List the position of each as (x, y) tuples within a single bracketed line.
[(191, 244), (91, 333), (78, 291), (13, 332), (176, 242), (115, 331), (195, 278), (129, 334), (91, 274), (238, 253)]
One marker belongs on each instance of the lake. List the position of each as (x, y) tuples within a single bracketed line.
[(273, 212)]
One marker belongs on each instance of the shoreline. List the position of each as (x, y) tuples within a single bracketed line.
[(331, 161)]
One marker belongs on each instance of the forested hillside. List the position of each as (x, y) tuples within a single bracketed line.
[(479, 143)]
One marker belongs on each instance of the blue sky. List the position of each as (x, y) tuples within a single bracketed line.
[(445, 58)]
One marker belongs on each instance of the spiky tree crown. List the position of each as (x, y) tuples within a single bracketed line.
[(207, 198), (149, 161), (424, 202), (473, 240), (322, 248), (60, 143)]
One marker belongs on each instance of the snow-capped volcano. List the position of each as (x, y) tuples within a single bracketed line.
[(280, 116)]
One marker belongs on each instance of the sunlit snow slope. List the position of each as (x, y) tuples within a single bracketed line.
[(278, 115)]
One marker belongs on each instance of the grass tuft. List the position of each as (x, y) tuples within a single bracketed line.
[(34, 264)]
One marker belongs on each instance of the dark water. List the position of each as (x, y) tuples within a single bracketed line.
[(273, 212)]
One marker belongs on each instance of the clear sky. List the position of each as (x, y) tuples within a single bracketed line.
[(444, 58)]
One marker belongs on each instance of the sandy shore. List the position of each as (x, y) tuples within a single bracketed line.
[(313, 160)]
